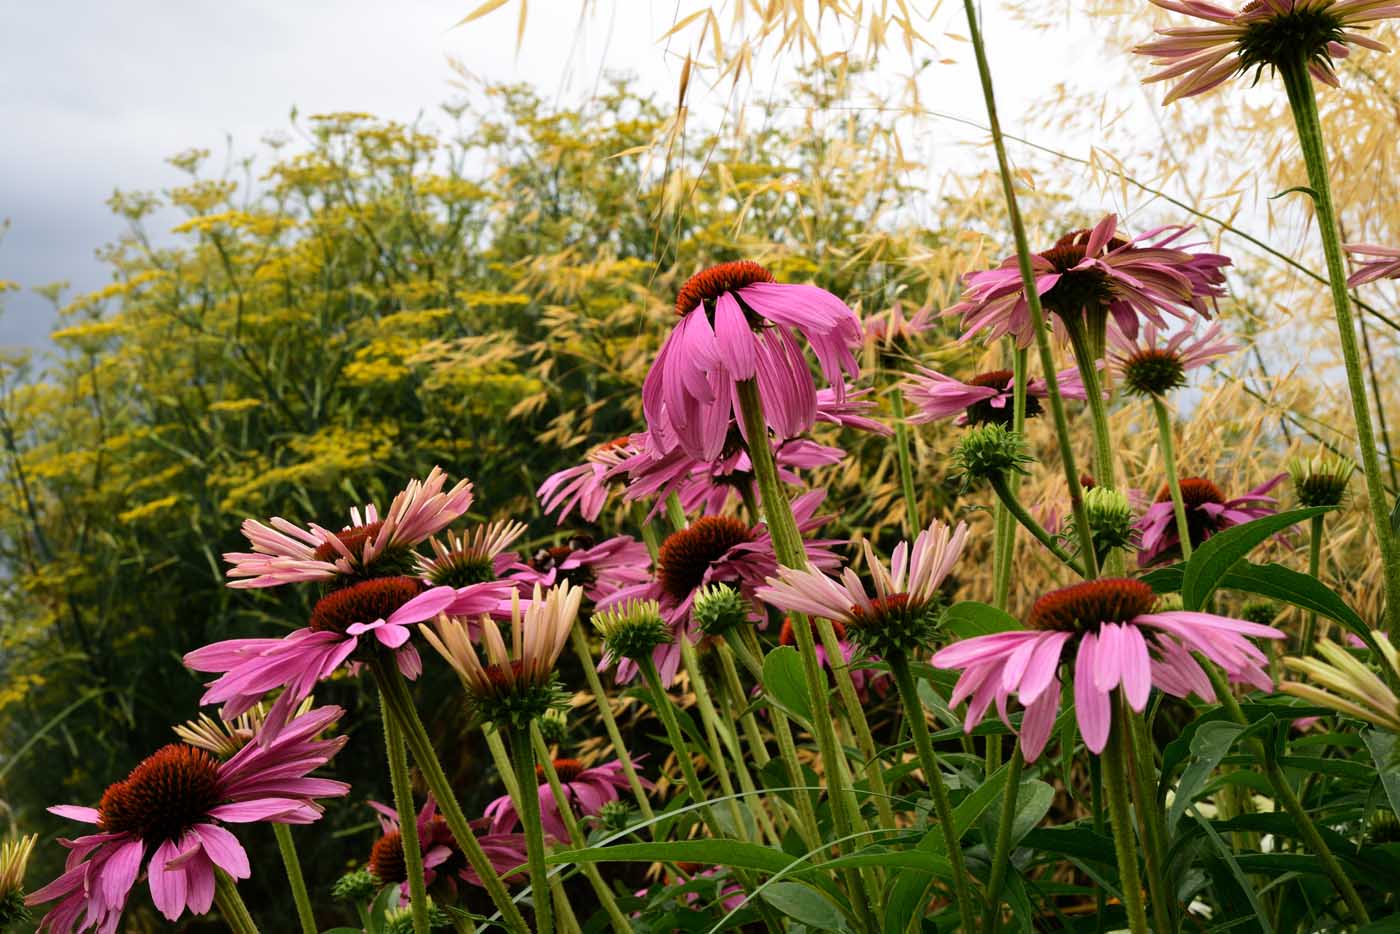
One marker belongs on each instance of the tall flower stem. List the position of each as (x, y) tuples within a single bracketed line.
[(1165, 442), (1028, 284), (1004, 550), (231, 905), (912, 524), (1149, 814), (576, 835), (1314, 568), (624, 758), (1115, 784), (855, 715), (408, 820), (1018, 512), (1298, 83), (709, 720), (738, 700), (790, 552), (522, 757), (933, 775), (288, 848), (399, 703), (1001, 855), (1086, 360), (1264, 753)]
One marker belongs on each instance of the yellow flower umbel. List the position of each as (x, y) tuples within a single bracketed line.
[(514, 687), (1347, 686), (14, 859)]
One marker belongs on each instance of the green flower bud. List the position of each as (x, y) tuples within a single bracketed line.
[(359, 885), (615, 816), (1260, 611), (554, 727), (1321, 480), (1110, 517), (718, 608), (989, 450), (633, 630)]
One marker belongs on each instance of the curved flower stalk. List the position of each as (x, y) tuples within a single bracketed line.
[(1116, 639), (284, 553), (167, 817), (736, 324)]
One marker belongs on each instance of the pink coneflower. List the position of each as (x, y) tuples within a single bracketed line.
[(167, 817), (710, 485), (464, 560), (1107, 627), (284, 553), (385, 606), (587, 788), (600, 569), (849, 408), (863, 679), (985, 398), (907, 602), (1263, 33), (586, 486), (713, 549), (890, 330), (1089, 275), (512, 686), (738, 324), (1207, 512), (442, 859), (1384, 262), (1150, 367)]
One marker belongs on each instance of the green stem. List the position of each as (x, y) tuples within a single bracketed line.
[(408, 818), (649, 537), (790, 552), (576, 835), (1085, 360), (933, 775), (231, 905), (1314, 567), (710, 723), (1115, 785), (1019, 513), (1149, 814), (675, 513), (523, 758), (661, 705), (1001, 855), (624, 758), (739, 700), (1032, 293), (1004, 551), (1168, 446), (906, 466), (1303, 103), (295, 879), (394, 691), (1286, 797), (855, 715), (751, 507)]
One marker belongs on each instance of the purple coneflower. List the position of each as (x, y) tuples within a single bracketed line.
[(738, 324), (985, 398), (586, 486), (384, 606), (284, 553), (850, 408), (864, 680), (1107, 627), (600, 569), (890, 330), (1207, 512), (167, 817), (1089, 275), (1150, 367), (464, 560), (1262, 33), (1373, 262), (588, 789), (713, 549), (442, 858), (907, 602)]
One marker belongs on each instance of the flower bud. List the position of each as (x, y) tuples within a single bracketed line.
[(718, 608), (357, 886), (615, 816), (989, 450), (1110, 517), (632, 630), (1321, 480)]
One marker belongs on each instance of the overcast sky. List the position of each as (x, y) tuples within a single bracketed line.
[(95, 95)]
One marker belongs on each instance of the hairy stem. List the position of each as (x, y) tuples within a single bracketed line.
[(1013, 506), (231, 905), (1115, 785), (295, 879), (523, 758), (595, 684), (408, 818), (1168, 446), (1001, 854)]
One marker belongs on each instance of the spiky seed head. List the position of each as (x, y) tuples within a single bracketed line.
[(1321, 480), (718, 608), (632, 630), (615, 816), (359, 885), (1110, 517), (989, 450)]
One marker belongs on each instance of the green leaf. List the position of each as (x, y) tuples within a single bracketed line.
[(804, 904), (908, 896), (1032, 804), (786, 685), (1165, 580), (1079, 842), (1382, 746), (1210, 744), (1290, 586), (920, 859), (1219, 553), (1229, 857), (973, 806), (970, 618)]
